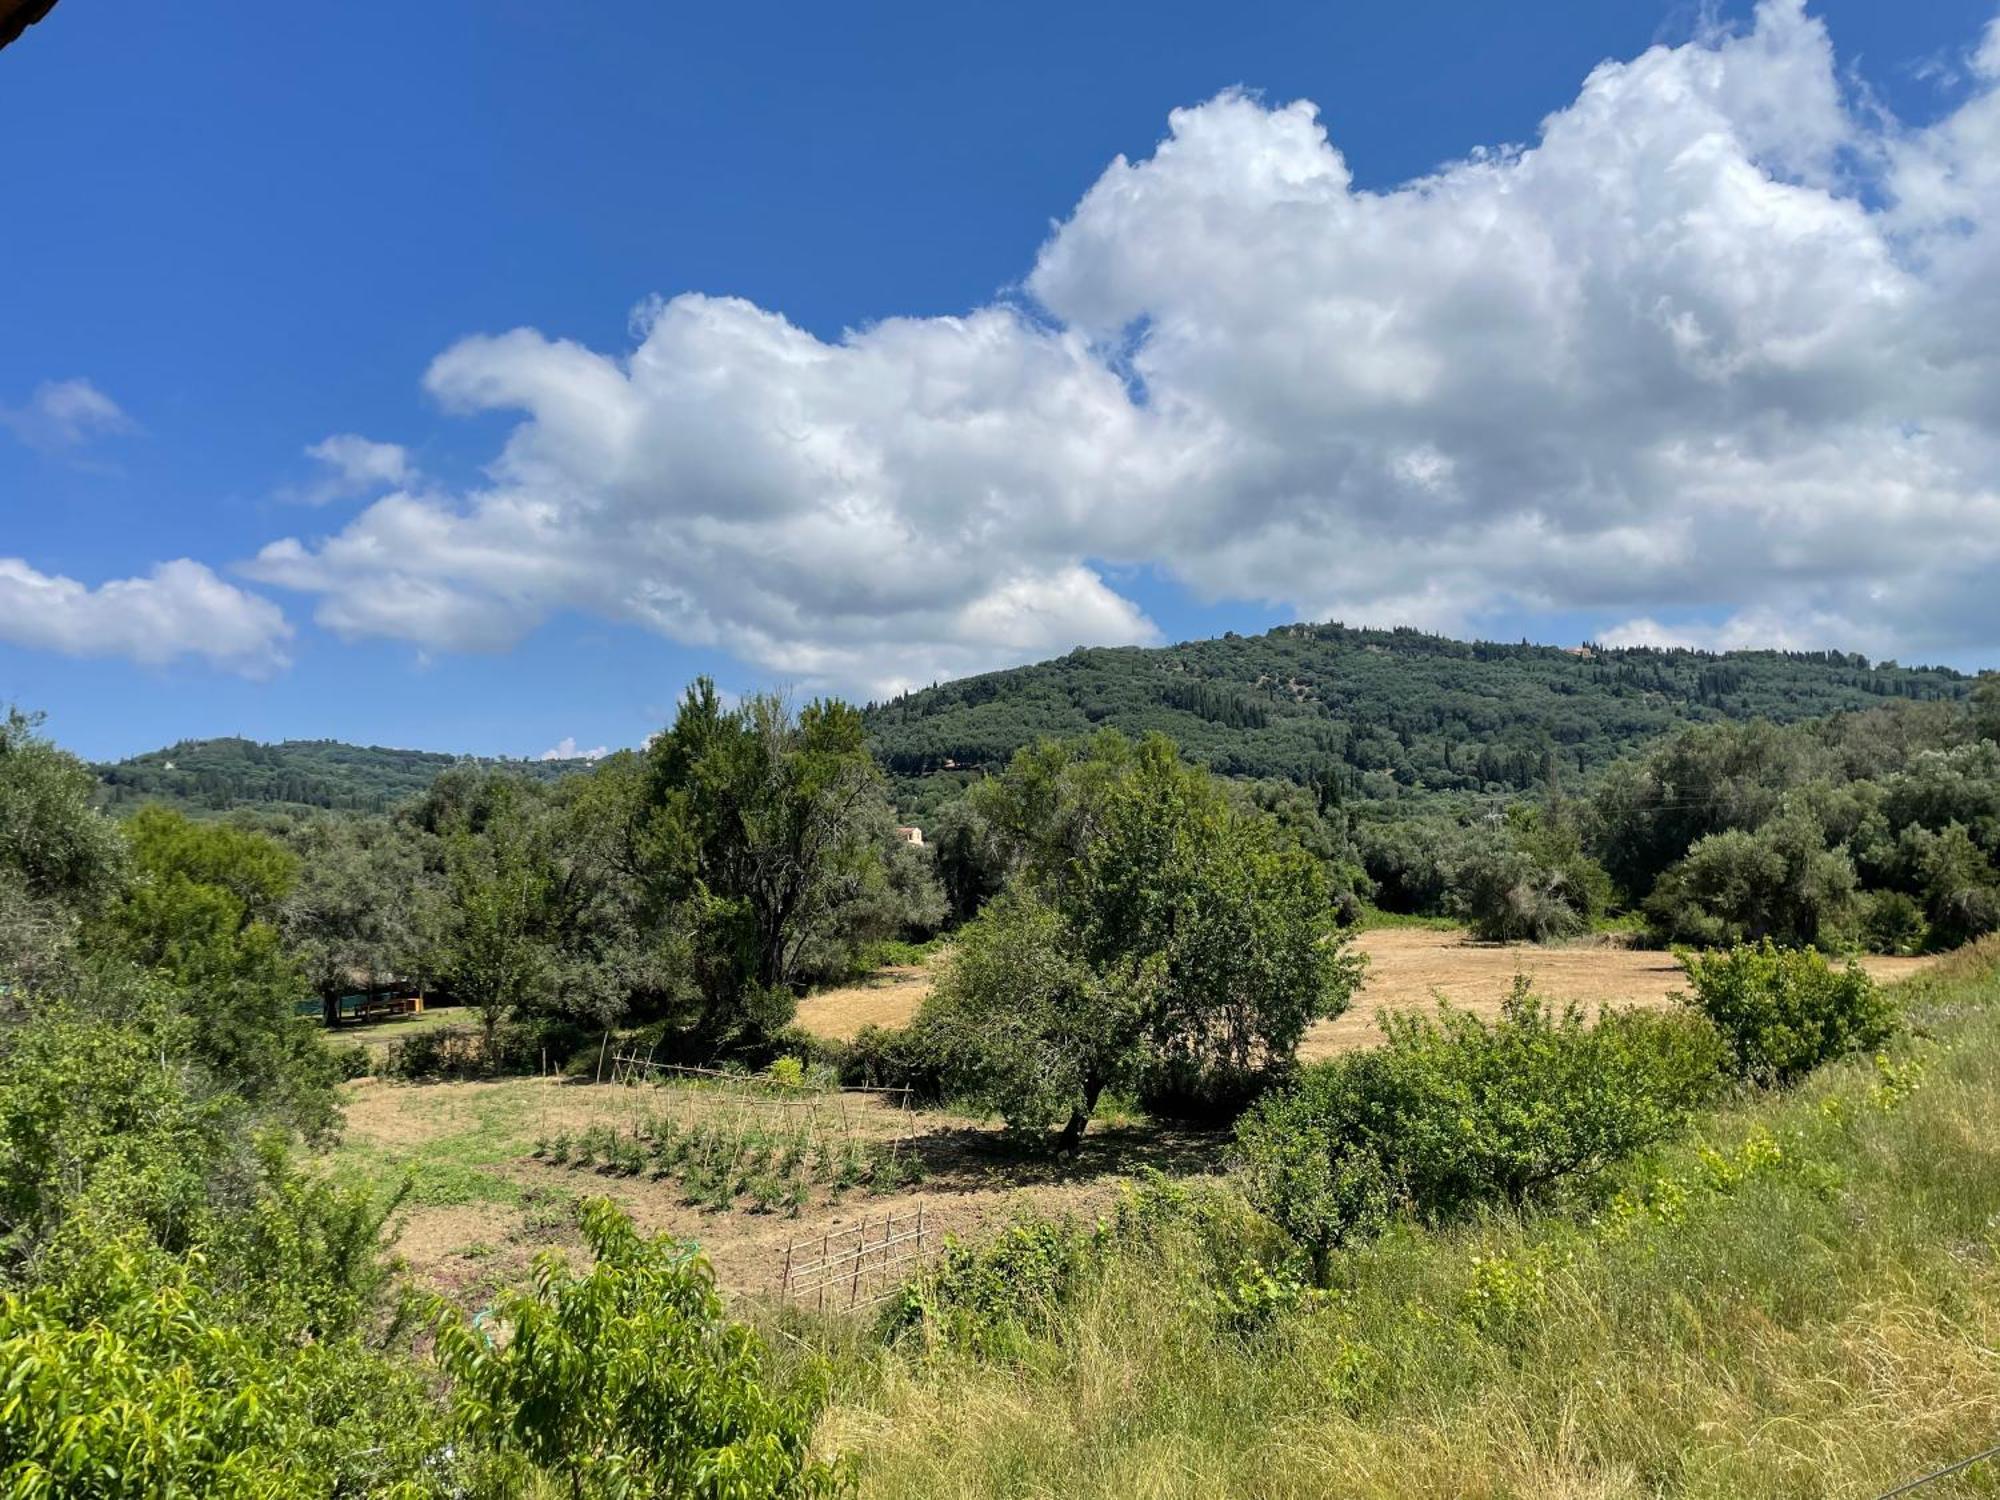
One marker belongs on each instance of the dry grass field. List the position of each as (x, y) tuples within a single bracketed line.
[(1407, 967)]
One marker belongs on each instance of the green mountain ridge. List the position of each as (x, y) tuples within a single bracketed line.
[(1381, 714), (1385, 713)]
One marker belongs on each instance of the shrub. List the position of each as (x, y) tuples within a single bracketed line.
[(1891, 922), (447, 1052), (350, 1062), (889, 1057), (629, 1380), (1454, 1112), (1320, 1187), (1782, 1012), (1530, 882), (990, 1296)]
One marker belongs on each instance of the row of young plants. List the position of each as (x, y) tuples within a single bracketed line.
[(717, 1163)]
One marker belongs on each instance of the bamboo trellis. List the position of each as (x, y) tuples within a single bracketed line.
[(855, 1266), (757, 1090)]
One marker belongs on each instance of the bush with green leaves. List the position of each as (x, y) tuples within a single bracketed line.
[(1779, 881), (1784, 1011), (1891, 922), (628, 1380), (1453, 1112), (131, 1375)]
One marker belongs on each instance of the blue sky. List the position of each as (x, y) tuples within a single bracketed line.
[(241, 230)]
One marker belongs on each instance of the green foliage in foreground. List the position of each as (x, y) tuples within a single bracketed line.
[(1798, 1301), (627, 1380), (1453, 1114), (1783, 1012), (133, 1374)]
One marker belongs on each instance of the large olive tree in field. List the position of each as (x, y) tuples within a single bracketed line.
[(1165, 927)]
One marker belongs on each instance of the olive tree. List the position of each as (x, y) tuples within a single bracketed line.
[(1158, 924)]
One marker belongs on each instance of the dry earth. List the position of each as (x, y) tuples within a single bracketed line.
[(483, 1205)]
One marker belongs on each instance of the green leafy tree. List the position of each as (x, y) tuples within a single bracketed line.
[(1529, 879), (627, 1380), (1779, 882), (490, 950), (1184, 932), (98, 1117), (60, 859), (1024, 1023), (1958, 883), (200, 912), (1986, 706), (760, 825), (353, 914), (1704, 780)]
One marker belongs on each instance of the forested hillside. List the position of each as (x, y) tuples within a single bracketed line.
[(1382, 712), (217, 775), (1386, 710)]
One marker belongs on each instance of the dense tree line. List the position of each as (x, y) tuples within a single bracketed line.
[(1878, 830)]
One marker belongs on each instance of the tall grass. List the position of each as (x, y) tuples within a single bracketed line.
[(1802, 1300)]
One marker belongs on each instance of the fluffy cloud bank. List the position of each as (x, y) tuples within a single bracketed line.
[(180, 609), (1721, 344)]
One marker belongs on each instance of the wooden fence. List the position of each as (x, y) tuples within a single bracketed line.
[(855, 1266)]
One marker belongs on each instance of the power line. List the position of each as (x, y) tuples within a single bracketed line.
[(1945, 1473)]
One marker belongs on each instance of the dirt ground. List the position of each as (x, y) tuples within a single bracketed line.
[(1407, 967), (482, 1205)]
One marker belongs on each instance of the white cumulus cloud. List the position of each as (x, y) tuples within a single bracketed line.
[(566, 749), (179, 609), (1720, 343), (354, 465)]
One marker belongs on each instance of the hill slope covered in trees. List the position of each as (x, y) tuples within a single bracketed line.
[(220, 774), (1387, 711)]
